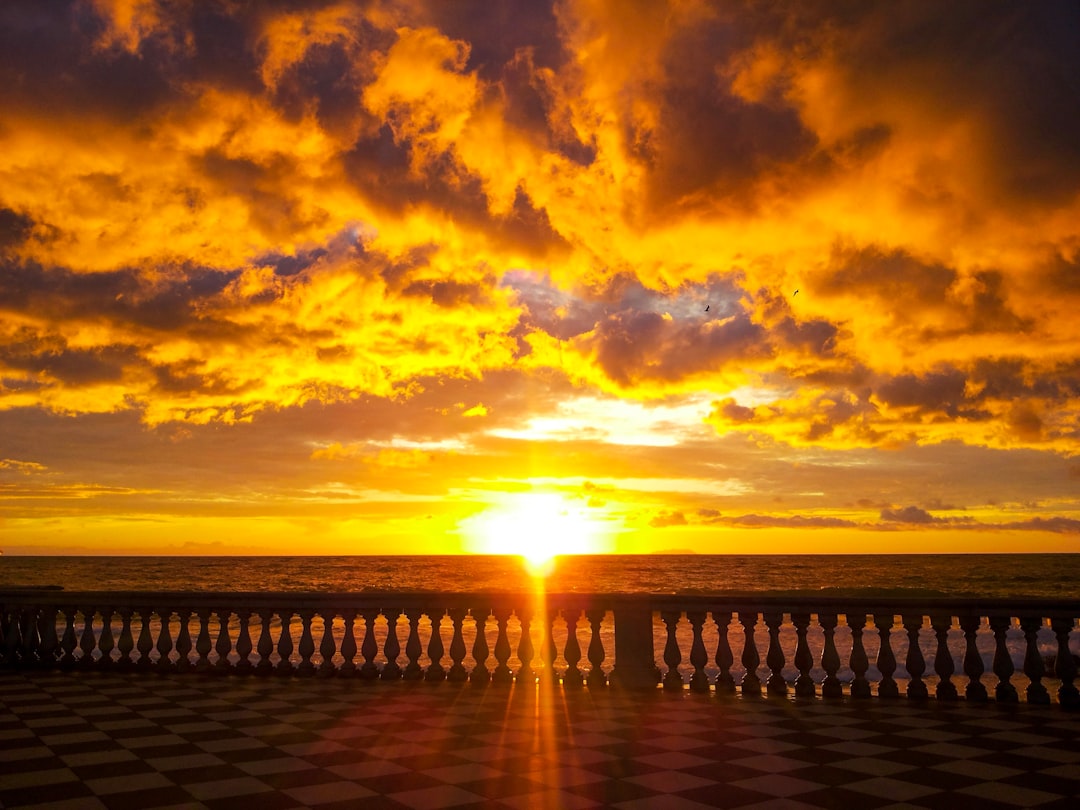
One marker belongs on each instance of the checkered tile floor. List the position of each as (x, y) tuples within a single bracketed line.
[(137, 741)]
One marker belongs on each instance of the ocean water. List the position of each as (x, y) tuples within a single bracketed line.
[(1050, 576)]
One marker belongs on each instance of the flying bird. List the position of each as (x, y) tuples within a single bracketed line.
[(706, 309), (794, 293)]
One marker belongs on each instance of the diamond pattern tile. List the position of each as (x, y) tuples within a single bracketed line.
[(117, 741)]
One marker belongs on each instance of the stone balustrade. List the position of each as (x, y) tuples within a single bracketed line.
[(746, 644)]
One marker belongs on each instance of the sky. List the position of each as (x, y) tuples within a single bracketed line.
[(413, 276)]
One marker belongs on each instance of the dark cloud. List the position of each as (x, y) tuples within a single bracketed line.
[(908, 514), (710, 144), (784, 521), (664, 519)]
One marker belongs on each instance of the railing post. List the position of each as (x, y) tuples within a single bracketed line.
[(436, 671), (974, 690), (202, 642), (265, 647), (243, 643), (125, 645), (348, 644), (525, 651), (306, 647), (223, 645), (327, 646), (886, 660), (1065, 668), (572, 652), (1005, 692), (804, 661), (502, 673), (183, 641), (672, 654), (597, 679), (775, 685), (943, 661), (860, 687), (915, 663), (457, 671), (146, 641), (369, 671), (725, 659), (391, 670), (106, 642), (413, 672), (285, 645), (635, 661), (1033, 664), (699, 681), (480, 651), (830, 658), (751, 684)]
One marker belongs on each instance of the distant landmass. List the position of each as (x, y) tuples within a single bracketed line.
[(675, 551)]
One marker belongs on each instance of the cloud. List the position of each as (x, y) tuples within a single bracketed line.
[(663, 519)]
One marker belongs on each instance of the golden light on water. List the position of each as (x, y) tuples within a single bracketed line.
[(538, 526)]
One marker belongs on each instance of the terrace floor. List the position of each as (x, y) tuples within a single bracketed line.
[(94, 740)]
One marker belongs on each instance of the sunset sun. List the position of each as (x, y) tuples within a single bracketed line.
[(536, 526)]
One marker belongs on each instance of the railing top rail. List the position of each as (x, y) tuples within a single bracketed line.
[(748, 601)]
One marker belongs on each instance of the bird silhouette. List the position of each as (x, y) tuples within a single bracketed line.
[(706, 309), (794, 293)]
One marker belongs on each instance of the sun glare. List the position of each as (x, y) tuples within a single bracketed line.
[(538, 527)]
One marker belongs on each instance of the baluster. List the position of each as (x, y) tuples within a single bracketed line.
[(1065, 669), (774, 658), (13, 639), (183, 641), (435, 671), (202, 641), (860, 687), (67, 640), (830, 658), (804, 660), (285, 645), (886, 660), (50, 644), (146, 641), (1033, 663), (725, 683), (502, 673), (525, 652), (413, 672), (369, 671), (751, 684), (597, 679), (327, 647), (31, 641), (265, 647), (1005, 692), (699, 681), (391, 671), (164, 642), (974, 690), (6, 656), (307, 645), (243, 643), (480, 674), (348, 645), (547, 672), (457, 671), (106, 642), (943, 661), (915, 664), (573, 677), (86, 639), (223, 646), (672, 654), (127, 640)]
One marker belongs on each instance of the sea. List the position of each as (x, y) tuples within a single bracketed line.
[(988, 576)]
